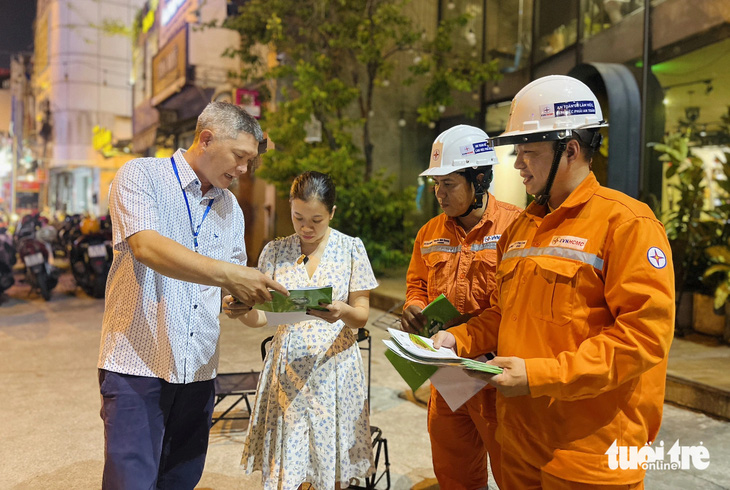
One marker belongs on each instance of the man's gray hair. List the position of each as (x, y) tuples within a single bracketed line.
[(227, 121)]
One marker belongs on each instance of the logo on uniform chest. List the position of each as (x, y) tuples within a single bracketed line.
[(517, 245), (491, 238), (437, 241), (576, 243)]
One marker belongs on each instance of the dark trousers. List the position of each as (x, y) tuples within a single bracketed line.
[(156, 433)]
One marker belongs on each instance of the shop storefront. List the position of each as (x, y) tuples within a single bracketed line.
[(73, 190), (697, 103)]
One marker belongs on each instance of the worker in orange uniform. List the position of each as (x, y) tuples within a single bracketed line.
[(455, 254), (583, 313)]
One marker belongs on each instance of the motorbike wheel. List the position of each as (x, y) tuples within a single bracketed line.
[(79, 271), (6, 277), (43, 286)]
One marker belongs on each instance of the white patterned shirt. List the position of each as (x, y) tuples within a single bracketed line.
[(153, 325)]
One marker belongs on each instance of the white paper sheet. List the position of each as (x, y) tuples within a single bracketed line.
[(285, 318), (396, 350), (405, 355), (455, 386)]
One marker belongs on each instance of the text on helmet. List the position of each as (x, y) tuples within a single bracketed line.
[(474, 148), (567, 108)]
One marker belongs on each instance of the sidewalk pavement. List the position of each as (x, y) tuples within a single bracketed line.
[(51, 436), (698, 364)]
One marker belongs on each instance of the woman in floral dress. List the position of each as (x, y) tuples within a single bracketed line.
[(310, 419)]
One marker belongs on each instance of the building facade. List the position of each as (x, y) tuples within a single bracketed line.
[(23, 184), (6, 155), (658, 67), (83, 99)]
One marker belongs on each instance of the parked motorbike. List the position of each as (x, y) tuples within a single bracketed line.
[(68, 232), (26, 227), (34, 251), (7, 260), (39, 273), (91, 258)]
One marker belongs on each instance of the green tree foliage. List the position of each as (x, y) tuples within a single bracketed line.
[(333, 55), (698, 231), (687, 184), (450, 67), (369, 209)]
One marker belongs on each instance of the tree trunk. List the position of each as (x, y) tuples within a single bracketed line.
[(367, 149), (367, 145)]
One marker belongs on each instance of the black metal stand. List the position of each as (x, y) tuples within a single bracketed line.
[(234, 384), (237, 384), (380, 444)]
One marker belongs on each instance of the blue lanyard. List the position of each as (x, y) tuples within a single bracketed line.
[(195, 231)]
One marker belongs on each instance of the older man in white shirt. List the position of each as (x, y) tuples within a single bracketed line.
[(178, 239)]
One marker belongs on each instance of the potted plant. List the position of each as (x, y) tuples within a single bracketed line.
[(720, 269), (689, 228), (717, 274)]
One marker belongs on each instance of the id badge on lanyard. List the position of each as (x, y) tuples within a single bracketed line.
[(194, 230)]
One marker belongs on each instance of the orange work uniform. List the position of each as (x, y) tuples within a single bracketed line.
[(461, 265), (585, 294)]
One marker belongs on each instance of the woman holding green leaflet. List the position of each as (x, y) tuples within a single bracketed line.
[(310, 420)]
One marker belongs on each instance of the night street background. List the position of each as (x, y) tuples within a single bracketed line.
[(16, 28)]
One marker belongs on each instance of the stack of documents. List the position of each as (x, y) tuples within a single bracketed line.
[(437, 313), (416, 360), (421, 351)]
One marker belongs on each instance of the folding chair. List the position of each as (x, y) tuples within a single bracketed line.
[(380, 444), (244, 384), (240, 385)]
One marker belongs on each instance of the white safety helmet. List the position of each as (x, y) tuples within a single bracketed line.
[(458, 149), (551, 108)]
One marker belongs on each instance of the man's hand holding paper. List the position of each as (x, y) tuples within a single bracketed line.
[(512, 381), (250, 287), (444, 339)]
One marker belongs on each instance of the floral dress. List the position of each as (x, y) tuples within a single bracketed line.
[(310, 418)]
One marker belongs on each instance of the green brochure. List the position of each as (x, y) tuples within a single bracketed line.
[(438, 312), (299, 300), (413, 374)]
